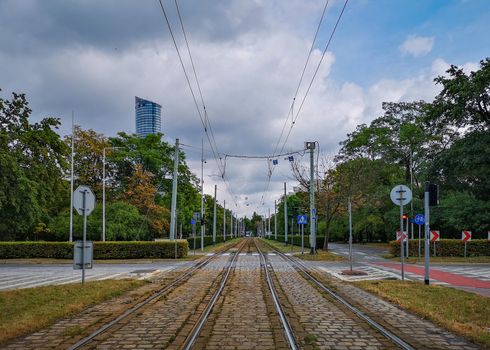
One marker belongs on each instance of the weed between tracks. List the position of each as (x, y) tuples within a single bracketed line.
[(459, 311), (31, 309)]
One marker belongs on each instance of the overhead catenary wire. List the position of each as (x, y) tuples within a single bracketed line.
[(204, 120), (291, 110)]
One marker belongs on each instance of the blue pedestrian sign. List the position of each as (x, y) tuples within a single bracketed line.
[(302, 219), (193, 222), (419, 219)]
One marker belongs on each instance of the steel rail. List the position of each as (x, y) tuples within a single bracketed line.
[(292, 342), (299, 265), (84, 341), (196, 330)]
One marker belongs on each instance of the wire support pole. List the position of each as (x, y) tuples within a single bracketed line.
[(173, 208)]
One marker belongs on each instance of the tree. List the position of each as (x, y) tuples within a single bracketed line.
[(88, 162), (464, 100), (141, 193), (32, 165)]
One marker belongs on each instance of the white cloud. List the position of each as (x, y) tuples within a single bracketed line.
[(417, 46)]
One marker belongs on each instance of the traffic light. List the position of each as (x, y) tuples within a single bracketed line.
[(433, 193), (404, 216)]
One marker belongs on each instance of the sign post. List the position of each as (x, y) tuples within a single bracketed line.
[(419, 221), (302, 221), (84, 204), (465, 236), (401, 195), (195, 217), (434, 237)]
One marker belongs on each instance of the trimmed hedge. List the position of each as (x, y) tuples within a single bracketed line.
[(297, 239), (445, 247), (102, 250), (208, 240)]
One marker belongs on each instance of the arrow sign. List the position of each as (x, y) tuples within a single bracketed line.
[(302, 219), (435, 236), (466, 236), (400, 234)]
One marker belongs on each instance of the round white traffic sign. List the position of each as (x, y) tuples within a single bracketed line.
[(401, 195), (78, 194)]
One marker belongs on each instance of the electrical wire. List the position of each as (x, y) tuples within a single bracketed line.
[(204, 121), (291, 110)]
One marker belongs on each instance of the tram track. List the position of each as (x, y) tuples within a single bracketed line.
[(91, 341), (342, 303), (240, 314)]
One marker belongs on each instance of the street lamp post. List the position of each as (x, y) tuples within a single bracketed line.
[(103, 187)]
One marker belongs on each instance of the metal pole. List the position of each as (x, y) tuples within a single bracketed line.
[(402, 253), (275, 220), (285, 215), (292, 233), (224, 220), (419, 239), (103, 194), (269, 228), (202, 193), (173, 208), (302, 239), (350, 233), (72, 175), (312, 200), (465, 249), (214, 214), (84, 205), (407, 236), (411, 189), (231, 224), (426, 234), (194, 236)]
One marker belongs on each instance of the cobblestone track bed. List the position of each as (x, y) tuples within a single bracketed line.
[(420, 333), (60, 335), (242, 319), (155, 326), (327, 326)]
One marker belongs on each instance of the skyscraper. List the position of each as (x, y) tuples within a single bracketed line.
[(148, 117)]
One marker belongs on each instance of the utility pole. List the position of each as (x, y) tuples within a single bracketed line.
[(350, 234), (202, 194), (269, 228), (104, 161), (224, 220), (311, 147), (231, 224), (426, 235), (72, 175), (275, 220), (214, 215), (173, 208), (285, 215)]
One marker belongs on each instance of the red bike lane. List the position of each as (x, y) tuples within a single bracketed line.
[(441, 276)]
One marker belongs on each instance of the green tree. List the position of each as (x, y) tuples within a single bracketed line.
[(464, 100), (32, 166)]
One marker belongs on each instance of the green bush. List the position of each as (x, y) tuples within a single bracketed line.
[(102, 250), (297, 240), (445, 247), (208, 240)]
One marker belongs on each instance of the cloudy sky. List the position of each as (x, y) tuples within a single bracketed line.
[(93, 57)]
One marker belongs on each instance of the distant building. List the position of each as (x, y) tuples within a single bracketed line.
[(148, 117)]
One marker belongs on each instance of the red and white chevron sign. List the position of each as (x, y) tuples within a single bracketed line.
[(400, 234), (466, 236), (435, 236)]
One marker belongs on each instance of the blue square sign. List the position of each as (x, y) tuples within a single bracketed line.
[(302, 219)]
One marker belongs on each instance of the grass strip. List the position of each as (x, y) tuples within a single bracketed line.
[(23, 311), (461, 312), (296, 250)]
